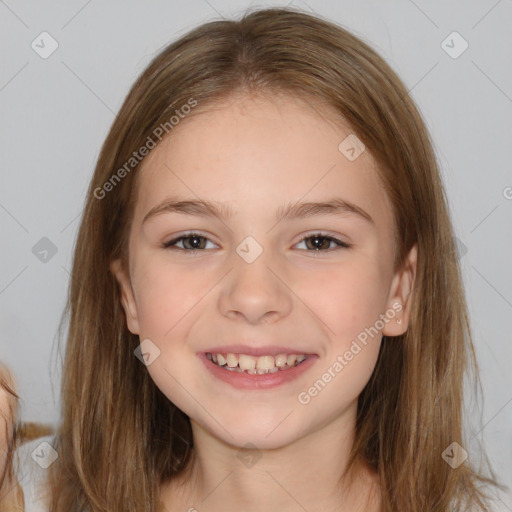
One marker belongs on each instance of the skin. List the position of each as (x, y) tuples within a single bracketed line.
[(255, 155)]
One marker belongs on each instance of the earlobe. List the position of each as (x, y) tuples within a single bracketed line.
[(400, 299), (127, 296)]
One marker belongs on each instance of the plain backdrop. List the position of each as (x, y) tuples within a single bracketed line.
[(56, 109)]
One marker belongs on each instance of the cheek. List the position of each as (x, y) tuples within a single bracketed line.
[(348, 298), (168, 303), (350, 302), (165, 296)]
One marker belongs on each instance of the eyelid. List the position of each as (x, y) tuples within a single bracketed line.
[(187, 234), (341, 244)]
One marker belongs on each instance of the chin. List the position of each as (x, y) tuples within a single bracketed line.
[(269, 434)]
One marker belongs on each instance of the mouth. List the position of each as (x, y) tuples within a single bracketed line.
[(259, 370), (256, 365)]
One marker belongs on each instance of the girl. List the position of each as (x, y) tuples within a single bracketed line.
[(266, 310)]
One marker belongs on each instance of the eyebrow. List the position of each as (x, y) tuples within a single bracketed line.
[(204, 208)]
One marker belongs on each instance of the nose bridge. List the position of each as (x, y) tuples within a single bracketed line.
[(253, 289)]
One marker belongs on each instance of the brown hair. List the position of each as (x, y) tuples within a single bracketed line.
[(120, 437), (11, 496)]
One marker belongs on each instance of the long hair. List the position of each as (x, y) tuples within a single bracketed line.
[(11, 496), (119, 436)]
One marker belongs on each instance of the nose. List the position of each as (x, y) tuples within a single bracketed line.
[(255, 292)]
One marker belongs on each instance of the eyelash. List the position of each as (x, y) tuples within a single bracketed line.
[(339, 243)]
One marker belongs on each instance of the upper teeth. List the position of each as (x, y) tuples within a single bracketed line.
[(251, 364)]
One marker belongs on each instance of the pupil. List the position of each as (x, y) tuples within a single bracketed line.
[(317, 241), (195, 241)]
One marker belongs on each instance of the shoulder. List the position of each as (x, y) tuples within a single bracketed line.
[(31, 462)]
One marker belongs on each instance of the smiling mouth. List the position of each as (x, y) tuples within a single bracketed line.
[(244, 363)]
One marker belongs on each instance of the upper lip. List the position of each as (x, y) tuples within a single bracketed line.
[(267, 350)]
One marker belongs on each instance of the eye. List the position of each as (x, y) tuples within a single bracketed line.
[(190, 242), (320, 242), (317, 242)]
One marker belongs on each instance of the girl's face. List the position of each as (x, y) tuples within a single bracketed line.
[(269, 273)]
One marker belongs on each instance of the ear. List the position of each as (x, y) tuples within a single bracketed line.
[(400, 296), (127, 296)]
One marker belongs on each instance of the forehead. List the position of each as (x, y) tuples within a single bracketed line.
[(254, 153)]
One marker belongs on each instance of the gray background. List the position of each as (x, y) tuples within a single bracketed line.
[(56, 112)]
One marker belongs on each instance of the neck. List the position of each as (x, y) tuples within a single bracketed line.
[(306, 474)]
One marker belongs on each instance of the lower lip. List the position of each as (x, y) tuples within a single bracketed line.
[(265, 381)]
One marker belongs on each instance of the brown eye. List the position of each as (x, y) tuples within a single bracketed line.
[(321, 242), (190, 242)]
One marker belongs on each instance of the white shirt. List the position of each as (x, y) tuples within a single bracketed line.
[(34, 456)]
